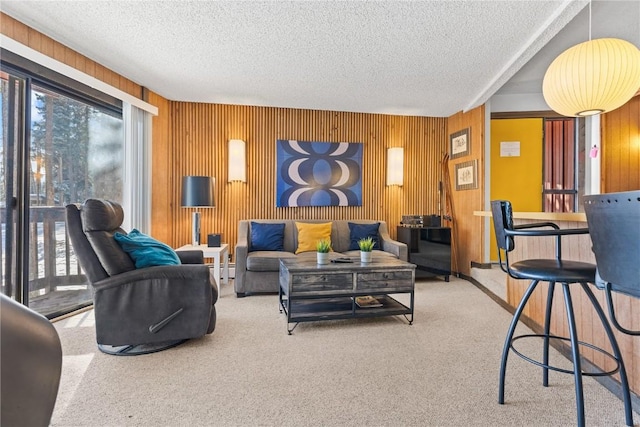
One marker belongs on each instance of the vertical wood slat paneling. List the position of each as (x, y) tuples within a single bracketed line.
[(620, 149), (198, 143)]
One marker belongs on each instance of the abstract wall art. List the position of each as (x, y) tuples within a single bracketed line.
[(318, 173)]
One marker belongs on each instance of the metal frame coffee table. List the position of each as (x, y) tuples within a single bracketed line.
[(312, 292)]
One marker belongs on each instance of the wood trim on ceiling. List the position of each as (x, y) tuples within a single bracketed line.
[(549, 114)]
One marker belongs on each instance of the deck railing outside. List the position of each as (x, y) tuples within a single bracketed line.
[(56, 281)]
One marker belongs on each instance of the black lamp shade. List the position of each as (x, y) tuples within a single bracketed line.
[(197, 191)]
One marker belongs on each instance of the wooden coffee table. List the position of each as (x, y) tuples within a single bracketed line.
[(312, 292)]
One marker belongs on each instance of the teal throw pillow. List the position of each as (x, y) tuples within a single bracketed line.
[(362, 231), (145, 251)]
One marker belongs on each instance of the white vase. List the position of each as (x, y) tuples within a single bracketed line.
[(323, 257), (365, 256)]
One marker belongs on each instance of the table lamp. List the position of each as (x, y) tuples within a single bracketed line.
[(197, 191)]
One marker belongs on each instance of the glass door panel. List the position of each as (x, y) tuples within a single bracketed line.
[(75, 153), (11, 128), (56, 150)]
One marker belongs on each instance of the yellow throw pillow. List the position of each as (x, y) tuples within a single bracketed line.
[(309, 234)]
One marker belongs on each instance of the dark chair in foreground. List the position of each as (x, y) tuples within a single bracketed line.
[(31, 363), (141, 310), (553, 270), (614, 224)]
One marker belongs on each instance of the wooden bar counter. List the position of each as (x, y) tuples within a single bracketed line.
[(590, 330)]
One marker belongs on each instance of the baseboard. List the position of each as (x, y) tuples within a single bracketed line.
[(502, 303), (232, 271), (483, 265)]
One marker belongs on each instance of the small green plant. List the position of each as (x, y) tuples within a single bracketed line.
[(323, 246), (366, 244)]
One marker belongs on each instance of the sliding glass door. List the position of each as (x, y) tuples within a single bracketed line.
[(58, 147), (12, 127)]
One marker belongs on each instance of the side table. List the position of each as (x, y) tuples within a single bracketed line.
[(217, 253)]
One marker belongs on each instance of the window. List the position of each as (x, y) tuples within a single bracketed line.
[(563, 147), (60, 145), (76, 150)]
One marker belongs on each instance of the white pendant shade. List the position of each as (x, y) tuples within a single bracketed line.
[(592, 77)]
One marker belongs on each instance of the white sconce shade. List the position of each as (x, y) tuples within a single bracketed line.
[(395, 165), (592, 77), (237, 161)]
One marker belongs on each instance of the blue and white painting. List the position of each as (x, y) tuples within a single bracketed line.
[(318, 173)]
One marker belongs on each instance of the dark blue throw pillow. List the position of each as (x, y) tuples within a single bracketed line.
[(362, 231), (145, 251), (267, 237)]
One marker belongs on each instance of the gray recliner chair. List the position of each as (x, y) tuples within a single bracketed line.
[(30, 366), (142, 310)]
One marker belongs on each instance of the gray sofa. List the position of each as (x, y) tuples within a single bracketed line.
[(257, 271)]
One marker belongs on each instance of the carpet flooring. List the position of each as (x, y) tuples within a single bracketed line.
[(440, 371)]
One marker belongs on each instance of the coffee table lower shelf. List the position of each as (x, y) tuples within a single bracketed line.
[(342, 307)]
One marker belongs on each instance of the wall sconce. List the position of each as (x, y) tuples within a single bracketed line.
[(237, 161), (395, 165)]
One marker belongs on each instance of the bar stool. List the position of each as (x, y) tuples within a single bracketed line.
[(554, 270), (614, 224)]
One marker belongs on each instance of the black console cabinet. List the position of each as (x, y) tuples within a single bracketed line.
[(429, 248)]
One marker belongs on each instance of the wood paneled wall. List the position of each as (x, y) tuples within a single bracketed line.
[(590, 329), (467, 229), (46, 45), (621, 148), (161, 165), (198, 146), (192, 138)]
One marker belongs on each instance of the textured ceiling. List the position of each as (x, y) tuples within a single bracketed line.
[(429, 58), (618, 19)]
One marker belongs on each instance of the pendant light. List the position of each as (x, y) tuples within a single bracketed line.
[(592, 77)]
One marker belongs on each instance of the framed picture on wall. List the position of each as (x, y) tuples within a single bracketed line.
[(467, 175), (459, 144), (313, 173)]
